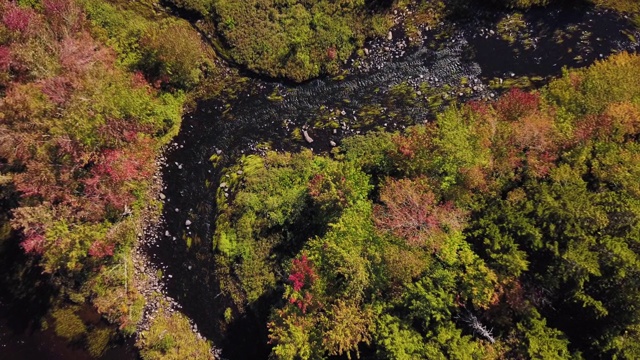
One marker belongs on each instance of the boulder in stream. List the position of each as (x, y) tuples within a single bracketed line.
[(306, 136)]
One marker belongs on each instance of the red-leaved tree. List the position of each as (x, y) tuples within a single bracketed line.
[(16, 18), (33, 242), (64, 16), (302, 277), (413, 212), (58, 89), (115, 168), (413, 153), (100, 249), (516, 104), (5, 58)]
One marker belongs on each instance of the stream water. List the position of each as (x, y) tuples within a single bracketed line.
[(472, 53)]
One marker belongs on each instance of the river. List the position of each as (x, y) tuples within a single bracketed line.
[(472, 53)]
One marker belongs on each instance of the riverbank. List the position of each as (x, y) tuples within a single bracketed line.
[(161, 313), (392, 93), (398, 80)]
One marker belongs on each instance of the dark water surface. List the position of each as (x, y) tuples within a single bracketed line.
[(242, 125), (470, 52)]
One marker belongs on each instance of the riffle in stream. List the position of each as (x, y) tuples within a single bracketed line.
[(473, 53)]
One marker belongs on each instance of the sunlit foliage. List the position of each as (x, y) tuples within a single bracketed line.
[(293, 39), (80, 125), (504, 229)]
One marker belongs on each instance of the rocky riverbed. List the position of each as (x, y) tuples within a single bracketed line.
[(457, 66), (174, 258), (150, 275)]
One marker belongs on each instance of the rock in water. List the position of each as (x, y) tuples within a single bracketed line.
[(306, 136)]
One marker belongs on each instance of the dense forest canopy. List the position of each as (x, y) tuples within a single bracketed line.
[(294, 39), (507, 228), (519, 216), (81, 123), (301, 39)]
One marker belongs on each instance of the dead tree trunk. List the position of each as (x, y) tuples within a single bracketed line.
[(477, 326)]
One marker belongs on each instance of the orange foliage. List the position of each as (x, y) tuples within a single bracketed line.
[(516, 104), (78, 53), (115, 168), (5, 58), (413, 150), (412, 211), (65, 16), (521, 135)]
